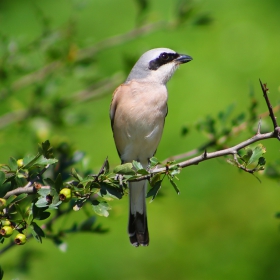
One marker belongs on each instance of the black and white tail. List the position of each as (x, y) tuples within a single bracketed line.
[(137, 223)]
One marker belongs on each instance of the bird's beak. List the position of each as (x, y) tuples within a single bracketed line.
[(183, 58)]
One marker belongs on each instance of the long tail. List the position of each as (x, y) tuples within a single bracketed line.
[(137, 224)]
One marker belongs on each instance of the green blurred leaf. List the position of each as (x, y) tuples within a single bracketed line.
[(13, 164), (20, 211), (173, 184), (20, 197), (87, 224), (1, 273), (42, 202), (76, 175), (154, 190), (258, 151), (261, 161), (2, 178), (124, 169), (111, 192), (154, 162), (248, 155), (101, 208), (42, 161), (37, 232), (137, 165), (58, 183)]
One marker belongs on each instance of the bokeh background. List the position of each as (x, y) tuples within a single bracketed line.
[(222, 225)]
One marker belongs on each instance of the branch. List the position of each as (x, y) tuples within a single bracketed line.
[(27, 190)]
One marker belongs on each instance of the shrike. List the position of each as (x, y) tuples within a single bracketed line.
[(137, 112)]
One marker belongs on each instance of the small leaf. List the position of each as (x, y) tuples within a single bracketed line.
[(137, 165), (248, 155), (174, 184), (87, 224), (124, 169), (42, 202), (2, 178), (37, 232), (154, 161), (261, 161), (101, 208), (258, 151), (1, 273), (20, 197), (19, 211), (76, 175), (58, 183), (44, 192), (143, 172), (13, 164), (111, 192), (154, 190), (42, 161)]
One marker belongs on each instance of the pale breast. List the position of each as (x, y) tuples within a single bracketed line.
[(139, 119)]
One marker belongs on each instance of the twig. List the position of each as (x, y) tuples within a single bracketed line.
[(28, 190), (271, 113), (37, 176)]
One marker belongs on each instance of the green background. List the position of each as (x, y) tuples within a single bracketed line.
[(222, 225)]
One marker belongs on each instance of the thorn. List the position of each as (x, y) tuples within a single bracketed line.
[(204, 156)]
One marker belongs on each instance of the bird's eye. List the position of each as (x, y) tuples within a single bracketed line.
[(164, 56)]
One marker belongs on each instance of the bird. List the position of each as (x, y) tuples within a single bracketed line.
[(137, 112)]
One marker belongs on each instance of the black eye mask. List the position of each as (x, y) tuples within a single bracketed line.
[(164, 58)]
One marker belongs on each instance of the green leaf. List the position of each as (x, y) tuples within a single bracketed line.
[(142, 172), (58, 183), (174, 184), (46, 150), (44, 192), (101, 208), (2, 178), (19, 211), (37, 232), (42, 161), (87, 224), (137, 165), (13, 164), (248, 155), (49, 182), (38, 213), (42, 202), (76, 175), (155, 178), (258, 151), (154, 190), (261, 161), (110, 192), (154, 161), (124, 169), (1, 273), (20, 197)]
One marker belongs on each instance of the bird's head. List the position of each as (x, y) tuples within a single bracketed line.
[(157, 65)]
